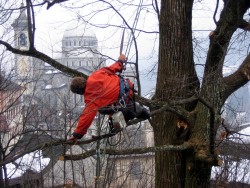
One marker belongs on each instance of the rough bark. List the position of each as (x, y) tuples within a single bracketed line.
[(176, 80)]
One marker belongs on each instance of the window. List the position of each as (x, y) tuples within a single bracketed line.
[(91, 63), (22, 40), (86, 43), (135, 169)]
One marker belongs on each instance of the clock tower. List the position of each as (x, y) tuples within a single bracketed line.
[(23, 64)]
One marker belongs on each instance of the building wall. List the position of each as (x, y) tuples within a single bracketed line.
[(11, 111), (131, 171)]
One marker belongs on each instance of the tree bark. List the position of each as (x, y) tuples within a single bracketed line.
[(176, 80)]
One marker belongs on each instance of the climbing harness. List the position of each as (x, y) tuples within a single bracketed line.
[(124, 92)]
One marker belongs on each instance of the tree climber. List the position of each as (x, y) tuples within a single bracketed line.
[(108, 93)]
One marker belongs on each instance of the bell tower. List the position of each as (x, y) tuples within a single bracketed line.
[(23, 64)]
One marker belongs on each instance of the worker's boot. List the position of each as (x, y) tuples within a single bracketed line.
[(141, 112)]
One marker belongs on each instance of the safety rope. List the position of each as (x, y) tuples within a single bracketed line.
[(127, 51), (130, 42)]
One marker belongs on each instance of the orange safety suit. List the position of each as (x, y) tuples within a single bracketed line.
[(102, 89)]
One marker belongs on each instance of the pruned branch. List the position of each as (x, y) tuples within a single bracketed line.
[(238, 78), (135, 151), (243, 24)]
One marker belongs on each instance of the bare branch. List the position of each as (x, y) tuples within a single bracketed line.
[(221, 36), (31, 26), (215, 12), (156, 8), (238, 78), (45, 58), (211, 123), (185, 146), (50, 4)]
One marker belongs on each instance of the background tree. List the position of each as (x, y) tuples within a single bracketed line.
[(181, 99)]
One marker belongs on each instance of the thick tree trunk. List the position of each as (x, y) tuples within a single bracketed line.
[(176, 80)]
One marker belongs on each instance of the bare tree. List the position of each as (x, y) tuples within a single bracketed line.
[(184, 112)]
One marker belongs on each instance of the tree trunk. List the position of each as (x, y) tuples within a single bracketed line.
[(176, 80)]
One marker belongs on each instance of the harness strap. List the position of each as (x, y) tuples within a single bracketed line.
[(123, 94), (124, 91)]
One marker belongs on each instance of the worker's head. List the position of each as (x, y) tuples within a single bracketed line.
[(78, 85)]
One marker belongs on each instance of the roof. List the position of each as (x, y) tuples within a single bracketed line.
[(79, 30), (22, 20)]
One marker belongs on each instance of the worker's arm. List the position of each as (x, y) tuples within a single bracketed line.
[(118, 65), (85, 120)]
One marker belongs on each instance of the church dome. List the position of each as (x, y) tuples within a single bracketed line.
[(79, 29)]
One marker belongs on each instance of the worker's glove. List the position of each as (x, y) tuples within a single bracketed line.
[(75, 137), (122, 58)]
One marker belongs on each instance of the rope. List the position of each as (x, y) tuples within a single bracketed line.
[(127, 51), (130, 42)]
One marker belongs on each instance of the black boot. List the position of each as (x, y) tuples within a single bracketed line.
[(144, 114)]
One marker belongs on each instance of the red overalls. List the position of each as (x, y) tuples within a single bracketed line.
[(102, 89)]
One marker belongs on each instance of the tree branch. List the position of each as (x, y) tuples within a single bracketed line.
[(211, 122), (215, 12), (50, 4), (238, 78), (243, 24), (45, 58), (31, 24), (230, 19), (185, 146), (156, 8)]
